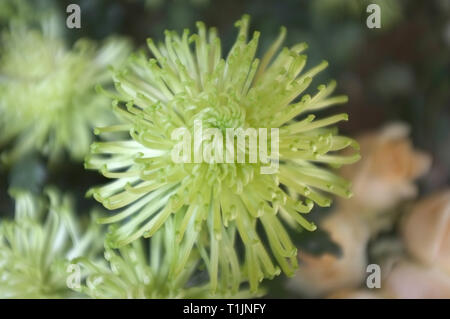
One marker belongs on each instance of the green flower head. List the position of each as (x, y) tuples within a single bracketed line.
[(36, 247), (48, 101), (224, 208)]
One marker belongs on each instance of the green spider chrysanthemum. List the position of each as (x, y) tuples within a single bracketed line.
[(47, 98), (37, 246), (216, 201), (138, 271)]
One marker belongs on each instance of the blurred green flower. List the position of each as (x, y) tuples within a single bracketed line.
[(47, 96), (217, 201), (148, 269), (35, 248), (26, 10)]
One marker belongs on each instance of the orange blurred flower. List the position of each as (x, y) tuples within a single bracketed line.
[(388, 168), (426, 230), (321, 275), (409, 280)]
